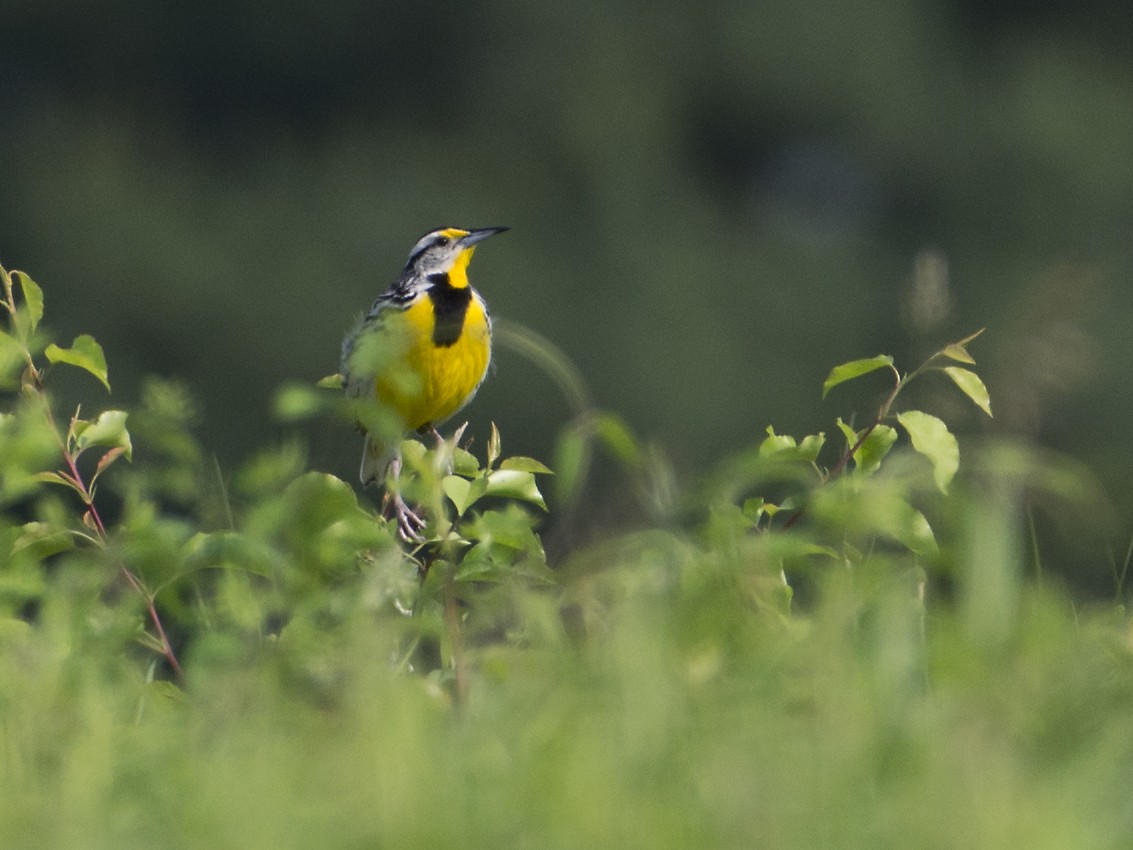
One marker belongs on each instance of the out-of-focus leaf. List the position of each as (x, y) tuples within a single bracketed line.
[(776, 443), (571, 454), (931, 437), (811, 445), (295, 401), (11, 357), (525, 464), (512, 484), (509, 527), (784, 447), (330, 382), (227, 550), (42, 540), (618, 439), (854, 369), (755, 508)]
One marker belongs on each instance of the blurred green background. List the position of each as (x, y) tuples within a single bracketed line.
[(711, 203)]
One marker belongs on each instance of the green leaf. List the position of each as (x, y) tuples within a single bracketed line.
[(11, 357), (571, 460), (754, 508), (33, 298), (44, 540), (854, 369), (330, 382), (964, 342), (931, 438), (464, 463), (510, 527), (456, 488), (908, 526), (873, 450), (618, 440), (957, 352), (294, 402), (226, 550), (54, 478), (512, 484), (525, 464), (479, 565), (108, 430), (775, 443), (85, 353), (462, 492), (972, 386), (784, 447), (107, 459), (811, 445), (919, 535)]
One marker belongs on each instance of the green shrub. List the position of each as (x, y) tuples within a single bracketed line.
[(816, 644)]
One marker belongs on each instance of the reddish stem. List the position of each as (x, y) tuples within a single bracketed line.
[(133, 580)]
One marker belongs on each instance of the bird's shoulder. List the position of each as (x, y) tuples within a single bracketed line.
[(401, 293)]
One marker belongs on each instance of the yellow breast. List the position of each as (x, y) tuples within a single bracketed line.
[(435, 381)]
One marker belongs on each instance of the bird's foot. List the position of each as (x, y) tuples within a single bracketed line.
[(446, 448), (410, 523)]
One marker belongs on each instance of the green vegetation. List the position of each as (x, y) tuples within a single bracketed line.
[(823, 642)]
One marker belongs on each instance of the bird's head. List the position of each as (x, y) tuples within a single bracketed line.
[(447, 249)]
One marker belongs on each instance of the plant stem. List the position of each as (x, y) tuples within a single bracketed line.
[(134, 581), (452, 623), (882, 412), (166, 646)]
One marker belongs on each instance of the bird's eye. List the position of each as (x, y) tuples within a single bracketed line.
[(442, 241)]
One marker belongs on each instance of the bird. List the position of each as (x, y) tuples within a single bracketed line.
[(418, 356)]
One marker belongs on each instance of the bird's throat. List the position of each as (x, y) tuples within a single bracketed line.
[(450, 306), (458, 274)]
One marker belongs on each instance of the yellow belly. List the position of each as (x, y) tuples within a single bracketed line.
[(436, 381)]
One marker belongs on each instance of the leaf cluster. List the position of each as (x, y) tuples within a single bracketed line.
[(261, 656)]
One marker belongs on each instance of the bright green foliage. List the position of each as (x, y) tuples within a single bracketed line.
[(84, 353), (972, 385), (931, 437), (854, 369), (191, 658), (870, 446)]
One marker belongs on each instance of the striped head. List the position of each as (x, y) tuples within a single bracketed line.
[(447, 251)]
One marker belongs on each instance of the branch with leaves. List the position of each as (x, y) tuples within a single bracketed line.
[(19, 346), (868, 447)]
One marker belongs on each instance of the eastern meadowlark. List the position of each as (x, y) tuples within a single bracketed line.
[(421, 351)]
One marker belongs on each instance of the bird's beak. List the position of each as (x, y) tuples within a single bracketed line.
[(480, 235)]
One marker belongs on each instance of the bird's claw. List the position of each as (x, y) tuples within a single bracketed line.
[(446, 448), (410, 524)]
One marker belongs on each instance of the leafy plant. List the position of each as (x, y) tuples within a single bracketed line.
[(194, 658)]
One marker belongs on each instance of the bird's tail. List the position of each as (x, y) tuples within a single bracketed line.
[(376, 456)]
